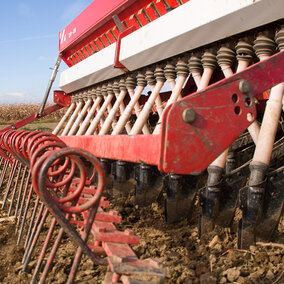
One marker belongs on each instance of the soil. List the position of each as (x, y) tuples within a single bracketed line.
[(186, 258)]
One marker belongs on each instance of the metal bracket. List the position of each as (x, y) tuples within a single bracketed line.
[(60, 98), (117, 63), (221, 113)]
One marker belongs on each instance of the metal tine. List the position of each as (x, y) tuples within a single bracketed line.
[(25, 213), (34, 227), (31, 222), (55, 245), (23, 201), (3, 174), (11, 177), (75, 265), (15, 190), (51, 256), (30, 249), (43, 250), (79, 252), (1, 161), (20, 191)]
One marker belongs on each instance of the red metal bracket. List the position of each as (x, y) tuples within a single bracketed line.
[(123, 34), (61, 98), (196, 129)]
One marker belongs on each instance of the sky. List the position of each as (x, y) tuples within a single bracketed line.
[(29, 46)]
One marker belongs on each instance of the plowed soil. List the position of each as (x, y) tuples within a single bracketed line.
[(186, 258)]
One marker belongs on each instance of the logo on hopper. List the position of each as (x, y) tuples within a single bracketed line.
[(72, 33), (62, 35)]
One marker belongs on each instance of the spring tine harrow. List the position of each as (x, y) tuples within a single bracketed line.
[(4, 170), (31, 247), (51, 256), (43, 251), (33, 232), (25, 214), (56, 179), (14, 190), (11, 178), (23, 202), (20, 191), (30, 229)]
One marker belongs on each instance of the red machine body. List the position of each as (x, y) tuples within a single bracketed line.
[(95, 29)]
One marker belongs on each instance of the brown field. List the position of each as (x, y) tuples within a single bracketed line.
[(13, 113), (10, 114)]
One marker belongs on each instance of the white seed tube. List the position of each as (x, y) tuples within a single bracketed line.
[(80, 117), (94, 124), (127, 112), (63, 119), (73, 118), (111, 116), (90, 115), (143, 116)]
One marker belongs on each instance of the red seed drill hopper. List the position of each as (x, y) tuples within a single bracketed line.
[(157, 92)]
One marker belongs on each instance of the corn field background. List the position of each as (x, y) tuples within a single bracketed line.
[(10, 114), (13, 113)]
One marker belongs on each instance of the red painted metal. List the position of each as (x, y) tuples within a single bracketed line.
[(264, 96), (190, 147), (122, 261), (60, 98), (94, 29), (126, 32), (94, 16), (138, 148)]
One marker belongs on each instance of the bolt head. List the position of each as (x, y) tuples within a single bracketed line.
[(189, 115), (244, 86)]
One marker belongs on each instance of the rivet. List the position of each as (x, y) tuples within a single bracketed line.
[(188, 115), (244, 86)]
